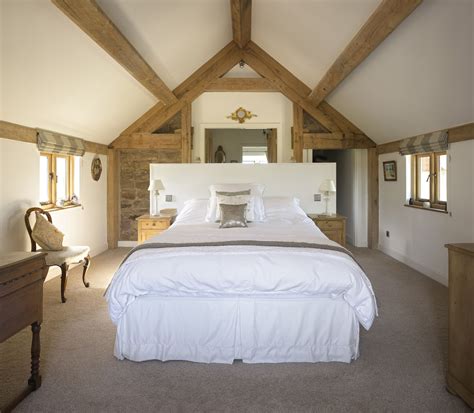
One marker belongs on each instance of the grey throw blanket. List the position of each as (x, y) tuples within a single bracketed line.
[(282, 244)]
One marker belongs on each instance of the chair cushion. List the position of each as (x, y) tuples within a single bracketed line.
[(68, 255), (46, 235)]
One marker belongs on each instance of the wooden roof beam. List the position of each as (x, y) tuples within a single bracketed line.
[(94, 22), (383, 21), (296, 91), (238, 84), (455, 134), (22, 133), (336, 141), (241, 11), (187, 91)]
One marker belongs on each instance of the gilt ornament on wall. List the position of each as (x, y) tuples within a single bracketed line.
[(241, 114)]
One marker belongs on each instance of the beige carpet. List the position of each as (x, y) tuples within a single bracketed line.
[(401, 368)]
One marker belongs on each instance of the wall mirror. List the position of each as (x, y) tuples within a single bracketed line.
[(248, 146)]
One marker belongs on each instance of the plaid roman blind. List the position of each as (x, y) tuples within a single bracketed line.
[(429, 142), (57, 143)]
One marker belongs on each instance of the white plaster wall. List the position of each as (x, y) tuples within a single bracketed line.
[(290, 179), (273, 110), (19, 190), (417, 237)]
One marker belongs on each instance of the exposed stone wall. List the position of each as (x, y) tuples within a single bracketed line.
[(134, 181)]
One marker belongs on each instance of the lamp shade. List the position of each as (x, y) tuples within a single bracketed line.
[(327, 185), (156, 185)]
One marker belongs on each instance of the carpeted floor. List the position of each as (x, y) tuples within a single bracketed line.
[(401, 368)]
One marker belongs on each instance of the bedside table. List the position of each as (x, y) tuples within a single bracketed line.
[(334, 226), (151, 225)]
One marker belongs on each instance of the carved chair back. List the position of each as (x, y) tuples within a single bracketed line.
[(28, 223)]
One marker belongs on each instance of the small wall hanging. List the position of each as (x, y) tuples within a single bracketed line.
[(96, 168), (390, 171), (241, 114)]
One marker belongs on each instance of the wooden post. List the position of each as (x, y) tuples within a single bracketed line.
[(186, 134), (297, 133), (113, 158), (373, 201)]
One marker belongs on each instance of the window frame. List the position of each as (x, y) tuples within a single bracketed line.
[(435, 202), (52, 202), (255, 149)]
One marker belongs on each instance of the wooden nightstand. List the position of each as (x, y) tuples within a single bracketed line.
[(150, 225), (334, 226)]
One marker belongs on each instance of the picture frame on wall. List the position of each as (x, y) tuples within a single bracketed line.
[(390, 171)]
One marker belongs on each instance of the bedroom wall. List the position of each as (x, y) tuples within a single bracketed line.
[(289, 179), (273, 110), (417, 237), (19, 190)]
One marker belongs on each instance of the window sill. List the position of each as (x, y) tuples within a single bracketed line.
[(61, 208), (427, 209)]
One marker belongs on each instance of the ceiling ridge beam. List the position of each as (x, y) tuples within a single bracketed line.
[(383, 21), (187, 91), (92, 20), (241, 13)]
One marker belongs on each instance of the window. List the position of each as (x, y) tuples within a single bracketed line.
[(254, 154), (59, 179), (429, 179)]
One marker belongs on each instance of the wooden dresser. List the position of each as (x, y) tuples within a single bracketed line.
[(333, 226), (22, 276), (151, 225), (460, 376)]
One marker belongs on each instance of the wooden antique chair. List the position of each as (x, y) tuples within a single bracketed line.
[(62, 258)]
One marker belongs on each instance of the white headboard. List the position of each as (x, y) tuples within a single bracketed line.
[(301, 180)]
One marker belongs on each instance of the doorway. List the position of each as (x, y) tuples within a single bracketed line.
[(352, 190), (247, 146)]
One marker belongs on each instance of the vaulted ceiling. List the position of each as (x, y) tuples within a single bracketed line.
[(55, 76)]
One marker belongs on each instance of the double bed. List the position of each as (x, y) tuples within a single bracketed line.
[(276, 291)]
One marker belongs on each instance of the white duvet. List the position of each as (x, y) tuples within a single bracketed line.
[(242, 271)]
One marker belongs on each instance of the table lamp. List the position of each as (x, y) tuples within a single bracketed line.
[(327, 187), (155, 187)]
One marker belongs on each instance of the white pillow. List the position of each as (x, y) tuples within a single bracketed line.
[(194, 211), (256, 191), (282, 207)]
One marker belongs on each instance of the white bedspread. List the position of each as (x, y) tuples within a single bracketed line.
[(242, 271)]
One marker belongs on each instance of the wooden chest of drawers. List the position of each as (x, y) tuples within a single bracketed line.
[(334, 226), (460, 376), (150, 225), (21, 304)]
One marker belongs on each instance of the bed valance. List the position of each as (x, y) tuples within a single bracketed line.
[(429, 142), (58, 143)]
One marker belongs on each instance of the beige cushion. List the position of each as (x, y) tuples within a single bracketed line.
[(236, 198), (46, 235), (68, 255)]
